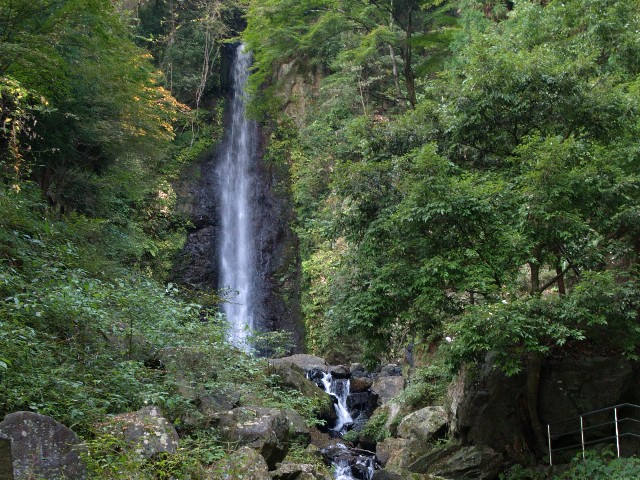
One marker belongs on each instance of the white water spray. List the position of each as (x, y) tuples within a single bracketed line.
[(338, 388), (236, 174)]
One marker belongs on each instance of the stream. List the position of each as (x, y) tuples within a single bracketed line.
[(349, 463)]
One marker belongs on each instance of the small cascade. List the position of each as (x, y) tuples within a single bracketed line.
[(339, 391), (349, 464)]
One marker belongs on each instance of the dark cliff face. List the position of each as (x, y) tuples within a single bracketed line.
[(278, 262)]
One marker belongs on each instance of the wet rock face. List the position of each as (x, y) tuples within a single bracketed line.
[(42, 447), (489, 408), (146, 431), (278, 268)]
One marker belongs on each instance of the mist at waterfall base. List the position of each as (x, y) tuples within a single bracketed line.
[(236, 173), (345, 468)]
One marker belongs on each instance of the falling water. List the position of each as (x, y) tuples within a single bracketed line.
[(339, 389), (236, 173)]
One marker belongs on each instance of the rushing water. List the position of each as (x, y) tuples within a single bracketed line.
[(339, 389), (236, 174), (348, 464)]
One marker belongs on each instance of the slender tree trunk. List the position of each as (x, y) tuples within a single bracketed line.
[(534, 361), (408, 71), (534, 266), (394, 62), (396, 80), (561, 286)]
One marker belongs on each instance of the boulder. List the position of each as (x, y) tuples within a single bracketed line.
[(389, 449), (340, 371), (146, 430), (42, 447), (357, 370), (426, 424), (304, 362), (386, 475), (264, 429), (391, 370), (291, 376), (298, 429), (387, 387), (360, 384), (245, 463), (299, 471), (460, 463), (211, 403), (6, 461)]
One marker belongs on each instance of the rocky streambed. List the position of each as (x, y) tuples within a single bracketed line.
[(474, 435)]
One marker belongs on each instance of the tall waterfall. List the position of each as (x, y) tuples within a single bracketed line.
[(236, 188)]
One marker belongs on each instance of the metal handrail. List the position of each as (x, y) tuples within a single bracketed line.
[(583, 444)]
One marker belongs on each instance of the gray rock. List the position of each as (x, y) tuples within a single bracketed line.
[(386, 475), (340, 371), (42, 447), (305, 362), (210, 403), (387, 387), (489, 408), (6, 461), (357, 369), (298, 427), (425, 424), (243, 464), (460, 463), (388, 449), (391, 370), (146, 431), (290, 375), (264, 429), (298, 471), (360, 384)]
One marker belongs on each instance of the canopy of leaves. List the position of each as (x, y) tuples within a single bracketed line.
[(500, 211)]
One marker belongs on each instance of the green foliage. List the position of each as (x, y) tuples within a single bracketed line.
[(428, 386), (500, 209), (603, 465), (108, 456), (598, 465), (375, 429), (83, 336)]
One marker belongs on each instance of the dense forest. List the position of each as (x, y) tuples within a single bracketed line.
[(464, 174)]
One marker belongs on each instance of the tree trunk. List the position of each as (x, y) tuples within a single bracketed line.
[(562, 290), (408, 71), (396, 81), (534, 265)]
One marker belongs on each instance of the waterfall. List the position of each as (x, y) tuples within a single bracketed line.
[(349, 464), (236, 188), (338, 389)]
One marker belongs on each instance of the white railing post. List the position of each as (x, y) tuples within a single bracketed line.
[(582, 436), (549, 437), (615, 414)]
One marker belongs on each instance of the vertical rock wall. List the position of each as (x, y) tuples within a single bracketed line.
[(278, 259)]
